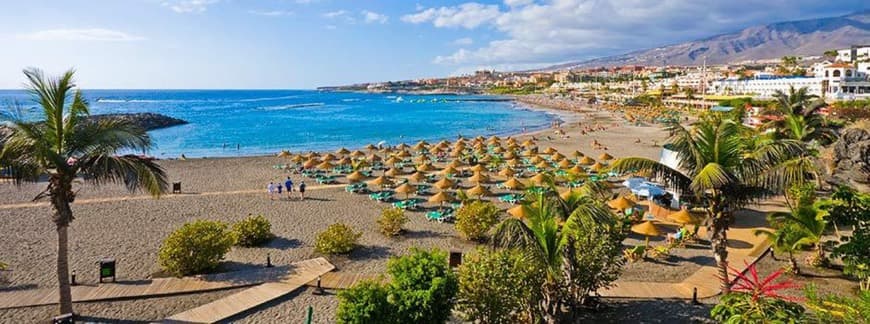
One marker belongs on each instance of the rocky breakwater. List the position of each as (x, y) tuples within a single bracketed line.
[(148, 121), (851, 158)]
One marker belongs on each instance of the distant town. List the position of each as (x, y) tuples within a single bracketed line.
[(834, 75)]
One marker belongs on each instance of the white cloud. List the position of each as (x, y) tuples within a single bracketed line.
[(534, 32), (86, 34), (335, 14), (271, 13), (374, 17), (468, 15), (465, 41), (189, 6)]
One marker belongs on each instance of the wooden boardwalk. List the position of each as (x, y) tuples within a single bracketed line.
[(153, 287), (343, 280), (302, 273)]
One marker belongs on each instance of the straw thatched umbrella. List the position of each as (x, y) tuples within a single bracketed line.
[(683, 217), (406, 189), (479, 191), (357, 154), (344, 161), (403, 154), (425, 167), (284, 154), (507, 172), (514, 184), (455, 163), (586, 161), (646, 229), (513, 162), (596, 167), (478, 178), (565, 164), (417, 177), (528, 143), (370, 147), (620, 203), (297, 159), (374, 158), (440, 198), (342, 151), (577, 154), (543, 165), (477, 168), (310, 163), (423, 159), (311, 155), (567, 193), (539, 179), (449, 170), (455, 153), (605, 157), (530, 153), (511, 141), (392, 160), (485, 159), (520, 211), (355, 176), (510, 155), (420, 146), (402, 146), (381, 181), (557, 156), (393, 172), (498, 149), (550, 150), (328, 157), (576, 170), (325, 165), (444, 184)]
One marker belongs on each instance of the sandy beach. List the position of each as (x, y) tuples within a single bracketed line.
[(130, 227)]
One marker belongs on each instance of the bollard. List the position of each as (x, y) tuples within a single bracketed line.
[(695, 296), (319, 289), (268, 260), (73, 278)]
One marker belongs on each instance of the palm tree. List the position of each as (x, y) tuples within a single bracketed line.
[(809, 222), (719, 165), (547, 242), (799, 117), (784, 240), (66, 146)]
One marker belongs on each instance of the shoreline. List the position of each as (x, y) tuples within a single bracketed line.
[(554, 115)]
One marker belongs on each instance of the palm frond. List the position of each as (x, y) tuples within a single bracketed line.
[(672, 178), (712, 176), (133, 171)]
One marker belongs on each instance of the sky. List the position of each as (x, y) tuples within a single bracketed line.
[(303, 44)]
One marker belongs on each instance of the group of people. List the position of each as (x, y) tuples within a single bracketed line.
[(273, 189)]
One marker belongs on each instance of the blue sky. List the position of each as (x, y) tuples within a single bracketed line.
[(309, 43)]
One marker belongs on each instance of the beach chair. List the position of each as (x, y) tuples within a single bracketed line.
[(440, 216), (660, 252), (325, 179), (409, 204)]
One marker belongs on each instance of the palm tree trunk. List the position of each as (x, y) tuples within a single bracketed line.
[(719, 243), (795, 269), (66, 306)]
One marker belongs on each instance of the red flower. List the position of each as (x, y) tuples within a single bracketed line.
[(761, 287)]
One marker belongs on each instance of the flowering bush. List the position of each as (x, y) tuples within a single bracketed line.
[(757, 300)]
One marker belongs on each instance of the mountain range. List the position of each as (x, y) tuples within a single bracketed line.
[(810, 37)]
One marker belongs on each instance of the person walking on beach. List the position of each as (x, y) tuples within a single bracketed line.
[(289, 185), (302, 190), (271, 190), (279, 190)]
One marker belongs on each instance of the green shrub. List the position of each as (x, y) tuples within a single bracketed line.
[(365, 302), (422, 287), (392, 220), (338, 238), (196, 247), (421, 292), (498, 286), (474, 219), (252, 231)]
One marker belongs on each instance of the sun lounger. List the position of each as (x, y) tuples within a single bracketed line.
[(440, 216), (511, 198), (325, 179), (409, 204), (356, 187), (381, 196), (635, 253)]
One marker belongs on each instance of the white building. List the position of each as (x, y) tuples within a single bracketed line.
[(853, 54), (834, 81)]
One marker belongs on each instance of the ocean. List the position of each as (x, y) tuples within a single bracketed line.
[(261, 122)]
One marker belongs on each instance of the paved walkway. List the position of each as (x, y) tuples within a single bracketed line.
[(163, 286), (228, 306), (165, 196)]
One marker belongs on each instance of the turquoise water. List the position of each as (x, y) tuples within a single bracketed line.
[(245, 122)]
